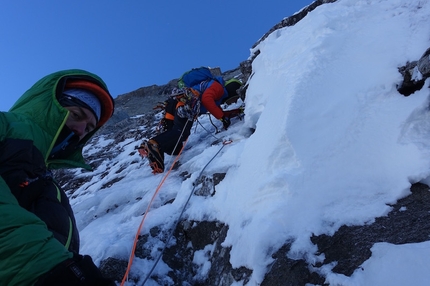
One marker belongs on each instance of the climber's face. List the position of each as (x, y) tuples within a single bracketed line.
[(80, 120)]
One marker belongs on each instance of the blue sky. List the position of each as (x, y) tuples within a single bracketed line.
[(130, 44)]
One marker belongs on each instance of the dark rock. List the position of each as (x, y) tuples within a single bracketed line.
[(286, 271), (205, 186), (414, 74), (114, 269), (408, 222)]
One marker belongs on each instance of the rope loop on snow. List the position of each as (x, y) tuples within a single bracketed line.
[(210, 133)]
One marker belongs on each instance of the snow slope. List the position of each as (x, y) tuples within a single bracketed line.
[(334, 143)]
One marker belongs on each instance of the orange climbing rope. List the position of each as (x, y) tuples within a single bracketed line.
[(130, 261)]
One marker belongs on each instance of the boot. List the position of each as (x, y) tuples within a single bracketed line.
[(155, 157)]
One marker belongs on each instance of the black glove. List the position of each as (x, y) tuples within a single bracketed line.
[(77, 271), (225, 122)]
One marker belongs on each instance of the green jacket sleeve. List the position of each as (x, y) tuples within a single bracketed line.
[(27, 248)]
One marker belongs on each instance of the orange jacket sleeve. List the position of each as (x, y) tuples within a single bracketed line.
[(213, 93)]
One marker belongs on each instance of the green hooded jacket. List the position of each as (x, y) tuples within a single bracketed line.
[(27, 248)]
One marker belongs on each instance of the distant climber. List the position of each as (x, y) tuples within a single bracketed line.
[(201, 94)]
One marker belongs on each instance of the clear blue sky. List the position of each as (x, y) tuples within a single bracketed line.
[(130, 44)]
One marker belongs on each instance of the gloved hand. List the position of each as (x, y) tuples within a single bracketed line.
[(77, 271), (225, 122)]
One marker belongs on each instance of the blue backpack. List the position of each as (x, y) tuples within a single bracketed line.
[(199, 79), (194, 77)]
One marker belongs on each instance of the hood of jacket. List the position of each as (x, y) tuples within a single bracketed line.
[(38, 116)]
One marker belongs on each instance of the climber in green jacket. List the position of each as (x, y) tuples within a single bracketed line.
[(46, 129)]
